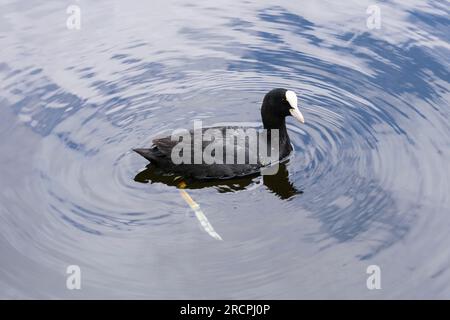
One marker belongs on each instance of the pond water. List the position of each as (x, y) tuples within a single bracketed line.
[(368, 182)]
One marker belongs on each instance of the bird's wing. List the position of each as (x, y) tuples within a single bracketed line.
[(235, 139), (239, 141)]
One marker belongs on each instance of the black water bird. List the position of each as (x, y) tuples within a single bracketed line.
[(276, 106)]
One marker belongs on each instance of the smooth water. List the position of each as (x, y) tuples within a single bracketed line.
[(368, 183)]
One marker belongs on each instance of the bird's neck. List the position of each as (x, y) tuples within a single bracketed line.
[(285, 144)]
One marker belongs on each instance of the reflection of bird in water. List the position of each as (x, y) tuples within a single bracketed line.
[(278, 183), (276, 106)]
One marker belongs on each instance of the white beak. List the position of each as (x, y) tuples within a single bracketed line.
[(297, 115), (291, 97)]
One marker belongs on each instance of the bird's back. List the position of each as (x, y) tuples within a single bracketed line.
[(209, 164)]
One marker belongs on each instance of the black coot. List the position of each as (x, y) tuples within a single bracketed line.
[(276, 106)]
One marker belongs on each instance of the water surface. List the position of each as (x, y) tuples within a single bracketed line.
[(368, 182)]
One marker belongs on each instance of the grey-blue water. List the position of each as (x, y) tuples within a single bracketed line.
[(372, 159)]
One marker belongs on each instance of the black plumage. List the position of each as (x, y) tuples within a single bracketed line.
[(277, 104)]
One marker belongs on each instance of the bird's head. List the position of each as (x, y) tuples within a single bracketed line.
[(277, 105)]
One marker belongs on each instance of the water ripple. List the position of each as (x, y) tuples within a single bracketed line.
[(367, 184)]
